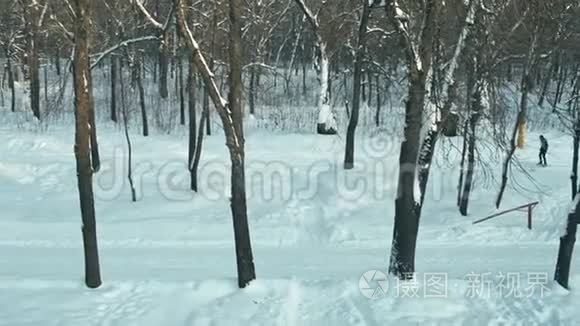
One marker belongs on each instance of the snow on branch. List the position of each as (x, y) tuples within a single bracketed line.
[(201, 64), (260, 65), (66, 32), (379, 30), (42, 14), (401, 20), (309, 15), (102, 55), (147, 14), (450, 71)]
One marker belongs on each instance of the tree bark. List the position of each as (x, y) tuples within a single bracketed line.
[(32, 59), (379, 104), (164, 66), (252, 95), (57, 61), (95, 156), (402, 262), (245, 260), (82, 140), (45, 73), (462, 164), (407, 209), (574, 175), (566, 249), (113, 88), (11, 85), (127, 138), (181, 94), (139, 80), (231, 115), (205, 111), (470, 166)]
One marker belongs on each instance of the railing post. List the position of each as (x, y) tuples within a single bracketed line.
[(530, 216)]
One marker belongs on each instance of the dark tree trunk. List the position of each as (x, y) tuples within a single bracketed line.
[(11, 85), (402, 262), (95, 156), (566, 249), (155, 73), (425, 159), (194, 165), (363, 83), (191, 82), (574, 175), (379, 104), (45, 72), (303, 74), (356, 92), (35, 84), (114, 88), (547, 81), (252, 95), (205, 111), (245, 260), (470, 168), (181, 95), (407, 209), (144, 121), (462, 164), (163, 67), (370, 82), (83, 141), (34, 62), (127, 138), (561, 82), (231, 117), (57, 61)]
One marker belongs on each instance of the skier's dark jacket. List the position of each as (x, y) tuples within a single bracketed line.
[(544, 146)]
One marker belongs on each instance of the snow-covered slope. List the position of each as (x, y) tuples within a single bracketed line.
[(168, 259)]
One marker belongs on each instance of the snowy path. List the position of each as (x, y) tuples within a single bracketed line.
[(194, 264)]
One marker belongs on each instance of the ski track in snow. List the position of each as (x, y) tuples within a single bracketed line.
[(170, 261)]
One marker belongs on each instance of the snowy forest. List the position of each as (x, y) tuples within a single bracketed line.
[(392, 162)]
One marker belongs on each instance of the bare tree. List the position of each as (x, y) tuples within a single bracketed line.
[(326, 119), (230, 113), (34, 15), (358, 62), (82, 35), (418, 59), (526, 86)]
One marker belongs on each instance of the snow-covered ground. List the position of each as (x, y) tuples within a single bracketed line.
[(318, 232)]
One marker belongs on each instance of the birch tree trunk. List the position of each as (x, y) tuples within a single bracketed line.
[(326, 121), (407, 209)]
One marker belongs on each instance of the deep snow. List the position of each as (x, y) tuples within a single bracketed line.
[(168, 259)]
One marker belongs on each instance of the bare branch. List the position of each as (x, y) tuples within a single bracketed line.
[(309, 15), (43, 14), (102, 55), (148, 15)]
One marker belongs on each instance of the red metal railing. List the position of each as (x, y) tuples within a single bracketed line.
[(529, 207)]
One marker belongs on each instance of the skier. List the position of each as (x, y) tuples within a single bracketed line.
[(543, 151)]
